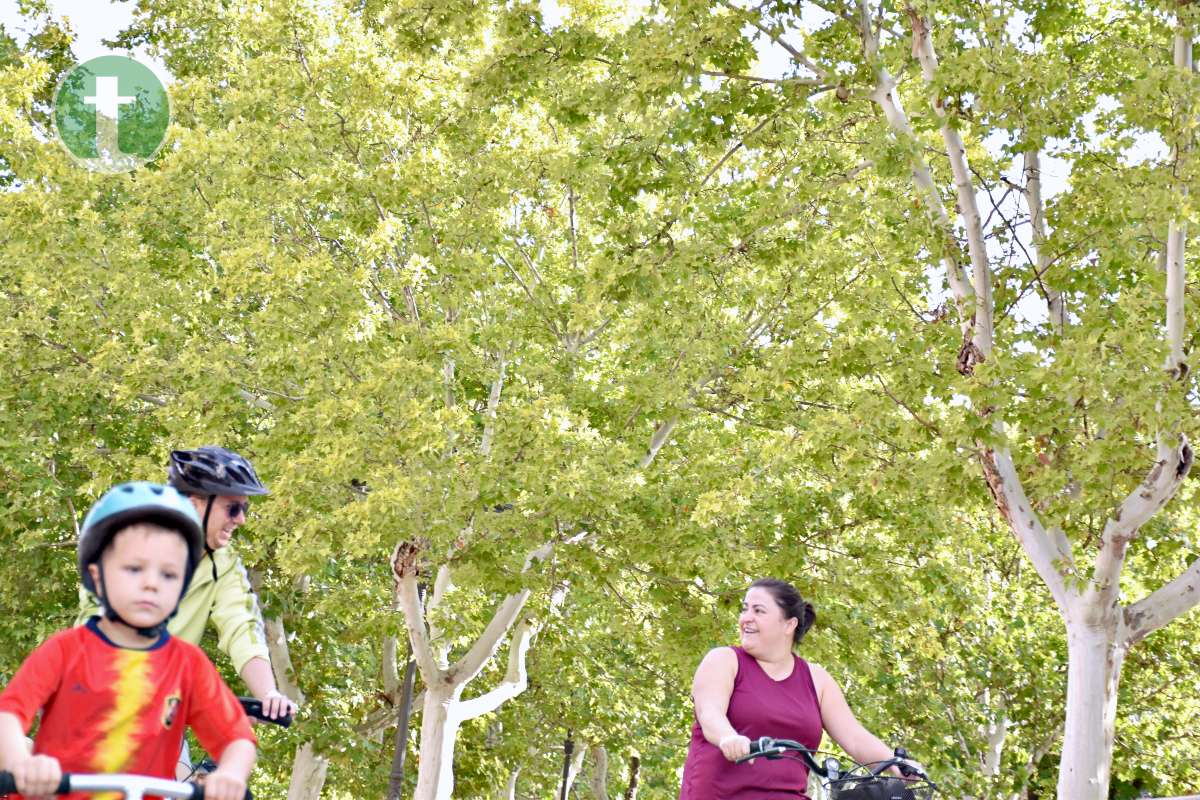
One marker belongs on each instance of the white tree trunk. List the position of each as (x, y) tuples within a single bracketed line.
[(308, 774), (439, 730), (1096, 652), (510, 792), (599, 782)]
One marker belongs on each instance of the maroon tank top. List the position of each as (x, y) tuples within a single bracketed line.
[(758, 706)]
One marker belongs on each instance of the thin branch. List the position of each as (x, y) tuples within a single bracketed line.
[(754, 79), (968, 208), (933, 429), (489, 417), (737, 147)]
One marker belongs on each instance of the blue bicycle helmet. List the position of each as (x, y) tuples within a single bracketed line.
[(129, 503)]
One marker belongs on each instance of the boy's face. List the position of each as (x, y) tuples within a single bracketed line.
[(228, 513), (143, 574)]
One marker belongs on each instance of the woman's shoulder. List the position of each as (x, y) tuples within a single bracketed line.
[(820, 676), (721, 659)]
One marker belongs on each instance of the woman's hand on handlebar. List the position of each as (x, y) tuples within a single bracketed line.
[(37, 776), (735, 746)]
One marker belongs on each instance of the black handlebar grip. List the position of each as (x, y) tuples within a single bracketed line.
[(254, 708), (8, 784), (198, 792)]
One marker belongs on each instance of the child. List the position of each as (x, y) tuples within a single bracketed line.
[(117, 692)]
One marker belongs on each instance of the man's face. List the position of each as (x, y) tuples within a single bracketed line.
[(228, 512)]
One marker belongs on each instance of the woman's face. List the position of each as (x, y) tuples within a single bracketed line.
[(762, 624)]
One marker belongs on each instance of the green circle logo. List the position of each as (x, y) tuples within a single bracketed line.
[(111, 113)]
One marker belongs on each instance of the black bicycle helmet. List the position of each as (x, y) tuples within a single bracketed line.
[(213, 471), (125, 505)]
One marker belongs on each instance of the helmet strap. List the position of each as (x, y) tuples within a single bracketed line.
[(208, 550), (110, 613)]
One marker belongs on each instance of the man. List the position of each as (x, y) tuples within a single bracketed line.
[(219, 483)]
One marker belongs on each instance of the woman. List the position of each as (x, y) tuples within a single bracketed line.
[(763, 689)]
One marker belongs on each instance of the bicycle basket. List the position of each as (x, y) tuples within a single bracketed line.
[(878, 787)]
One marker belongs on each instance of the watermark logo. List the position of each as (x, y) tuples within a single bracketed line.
[(111, 113)]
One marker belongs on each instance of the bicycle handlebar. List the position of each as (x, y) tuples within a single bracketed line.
[(254, 708), (133, 787), (766, 747)]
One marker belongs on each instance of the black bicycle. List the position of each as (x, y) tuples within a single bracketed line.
[(860, 781)]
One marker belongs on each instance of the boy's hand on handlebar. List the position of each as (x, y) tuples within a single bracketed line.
[(37, 776), (276, 704), (220, 785), (735, 746)]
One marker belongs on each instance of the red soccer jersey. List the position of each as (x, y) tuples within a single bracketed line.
[(112, 709)]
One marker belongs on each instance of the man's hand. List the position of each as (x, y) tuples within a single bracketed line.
[(37, 776), (276, 704), (223, 785)]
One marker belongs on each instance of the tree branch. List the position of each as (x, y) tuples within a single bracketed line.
[(1169, 601), (1044, 551), (1177, 240), (516, 677), (410, 604), (754, 79), (967, 206), (661, 434), (488, 642), (1165, 477), (489, 424), (883, 95), (1037, 217)]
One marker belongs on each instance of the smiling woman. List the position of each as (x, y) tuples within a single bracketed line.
[(761, 688)]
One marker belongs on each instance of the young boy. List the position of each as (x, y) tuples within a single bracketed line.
[(117, 692)]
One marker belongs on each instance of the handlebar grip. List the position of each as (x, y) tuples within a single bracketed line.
[(198, 792), (8, 784), (253, 708)]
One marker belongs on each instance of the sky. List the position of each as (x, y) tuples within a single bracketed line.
[(92, 21)]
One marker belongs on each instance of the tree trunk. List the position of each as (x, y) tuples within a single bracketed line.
[(599, 782), (439, 730), (510, 792), (635, 766), (1095, 655), (308, 774)]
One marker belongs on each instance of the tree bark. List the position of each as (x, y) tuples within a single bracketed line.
[(599, 781), (1095, 655), (635, 766), (308, 774)]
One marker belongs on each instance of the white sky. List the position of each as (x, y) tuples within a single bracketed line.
[(92, 21)]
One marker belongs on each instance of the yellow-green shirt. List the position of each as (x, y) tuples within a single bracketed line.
[(229, 602)]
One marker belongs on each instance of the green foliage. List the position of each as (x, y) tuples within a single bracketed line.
[(366, 213)]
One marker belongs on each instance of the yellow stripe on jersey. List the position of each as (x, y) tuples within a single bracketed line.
[(132, 690)]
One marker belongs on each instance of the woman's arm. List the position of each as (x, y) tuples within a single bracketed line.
[(711, 689), (859, 743)]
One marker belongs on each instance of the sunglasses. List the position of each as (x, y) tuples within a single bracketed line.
[(234, 508)]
